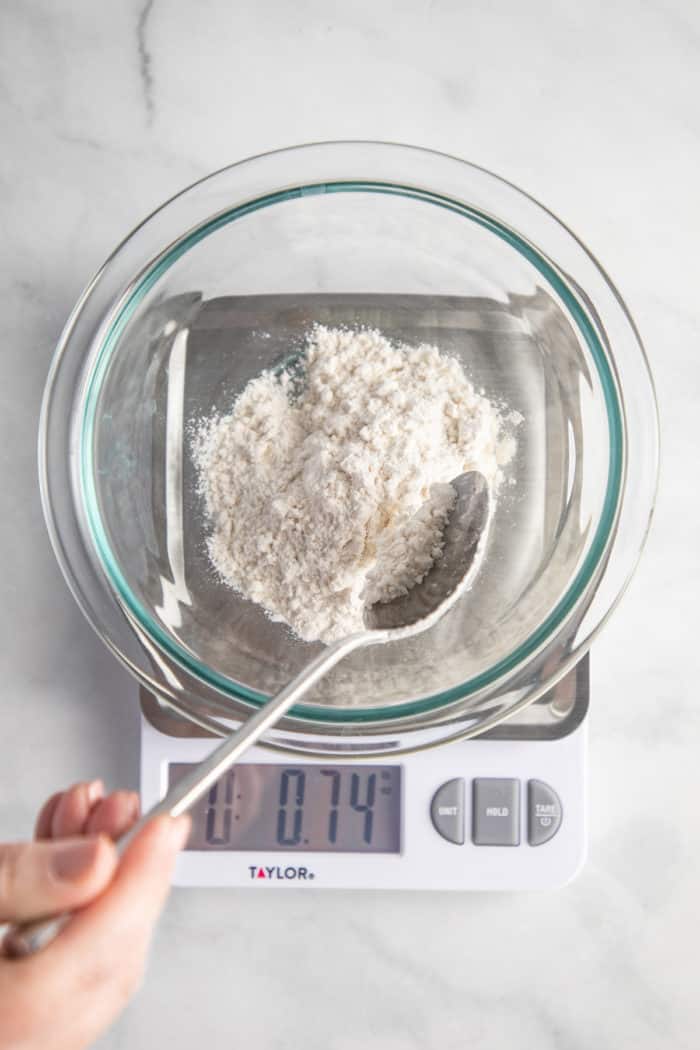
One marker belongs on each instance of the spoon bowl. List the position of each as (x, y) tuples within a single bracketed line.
[(450, 575)]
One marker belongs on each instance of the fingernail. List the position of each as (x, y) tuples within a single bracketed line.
[(95, 791), (70, 861)]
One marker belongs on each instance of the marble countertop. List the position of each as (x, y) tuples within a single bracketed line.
[(106, 110)]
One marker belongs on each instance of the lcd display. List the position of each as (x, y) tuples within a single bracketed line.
[(307, 808)]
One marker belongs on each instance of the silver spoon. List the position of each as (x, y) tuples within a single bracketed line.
[(449, 577)]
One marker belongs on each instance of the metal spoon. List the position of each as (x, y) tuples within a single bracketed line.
[(449, 577)]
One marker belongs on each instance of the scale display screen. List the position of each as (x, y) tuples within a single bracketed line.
[(308, 808)]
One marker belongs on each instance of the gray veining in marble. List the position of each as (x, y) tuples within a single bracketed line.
[(145, 60), (594, 107)]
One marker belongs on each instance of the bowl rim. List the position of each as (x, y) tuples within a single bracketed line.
[(567, 603)]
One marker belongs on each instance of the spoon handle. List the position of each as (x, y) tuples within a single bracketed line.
[(28, 938)]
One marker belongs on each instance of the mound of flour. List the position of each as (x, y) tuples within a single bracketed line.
[(331, 493)]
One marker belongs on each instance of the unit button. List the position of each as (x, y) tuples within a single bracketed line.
[(544, 813), (496, 812), (447, 811)]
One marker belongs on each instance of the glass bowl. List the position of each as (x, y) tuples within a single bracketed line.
[(224, 281)]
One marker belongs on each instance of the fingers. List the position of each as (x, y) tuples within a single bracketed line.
[(114, 815), (82, 810), (43, 878), (140, 886), (62, 871), (73, 809), (111, 936), (66, 813), (42, 828)]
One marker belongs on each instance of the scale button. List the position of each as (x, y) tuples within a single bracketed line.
[(447, 811), (496, 812), (544, 813)]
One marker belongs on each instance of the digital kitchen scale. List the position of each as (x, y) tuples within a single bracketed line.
[(225, 282), (501, 811)]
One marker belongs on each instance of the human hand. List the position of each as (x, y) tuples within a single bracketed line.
[(63, 997)]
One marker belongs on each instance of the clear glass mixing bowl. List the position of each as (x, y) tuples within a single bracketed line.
[(222, 282)]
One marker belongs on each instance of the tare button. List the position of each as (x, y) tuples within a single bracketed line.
[(544, 813)]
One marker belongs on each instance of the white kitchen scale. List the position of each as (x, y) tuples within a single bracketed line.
[(501, 811)]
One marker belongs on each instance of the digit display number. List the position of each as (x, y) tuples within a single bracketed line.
[(334, 800), (218, 816), (366, 807), (286, 778)]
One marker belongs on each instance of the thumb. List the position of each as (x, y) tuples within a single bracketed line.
[(44, 878)]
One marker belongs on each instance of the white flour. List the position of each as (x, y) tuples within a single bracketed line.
[(328, 497), (406, 552)]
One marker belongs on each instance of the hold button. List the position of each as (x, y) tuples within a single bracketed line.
[(447, 811), (496, 812), (544, 813)]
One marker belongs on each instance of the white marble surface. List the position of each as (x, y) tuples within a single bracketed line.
[(107, 109)]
